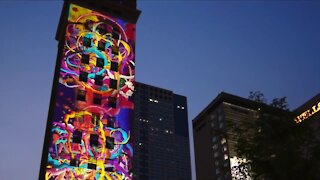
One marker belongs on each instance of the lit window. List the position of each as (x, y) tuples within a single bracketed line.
[(224, 148), (182, 107), (140, 144), (114, 66), (85, 58), (83, 76), (167, 131), (156, 101), (98, 80), (223, 140), (151, 100), (101, 45), (100, 62), (226, 157), (160, 119), (178, 107)]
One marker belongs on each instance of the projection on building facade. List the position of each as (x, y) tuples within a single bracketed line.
[(89, 134)]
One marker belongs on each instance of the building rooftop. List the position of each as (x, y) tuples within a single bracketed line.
[(237, 100)]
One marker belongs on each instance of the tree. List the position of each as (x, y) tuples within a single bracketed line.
[(257, 96), (276, 147)]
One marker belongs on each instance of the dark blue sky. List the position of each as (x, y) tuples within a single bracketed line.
[(195, 48)]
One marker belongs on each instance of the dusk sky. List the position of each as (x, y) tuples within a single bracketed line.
[(194, 48)]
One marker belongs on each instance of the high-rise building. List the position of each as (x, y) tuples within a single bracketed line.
[(214, 139), (88, 133), (161, 133)]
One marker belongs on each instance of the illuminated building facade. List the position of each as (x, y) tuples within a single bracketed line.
[(309, 113), (214, 139), (162, 150), (89, 127)]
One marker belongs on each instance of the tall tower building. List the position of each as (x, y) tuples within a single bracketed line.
[(161, 134), (215, 139), (88, 133)]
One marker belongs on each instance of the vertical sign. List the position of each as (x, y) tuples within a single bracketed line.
[(89, 134)]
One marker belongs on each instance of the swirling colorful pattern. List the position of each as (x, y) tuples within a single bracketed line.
[(91, 136)]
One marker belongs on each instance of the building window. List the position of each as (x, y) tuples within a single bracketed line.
[(101, 45), (214, 139), (98, 80), (100, 62), (85, 58), (109, 169), (74, 162), (87, 42), (111, 122), (77, 136), (216, 163), (81, 96), (221, 125), (101, 30), (215, 147), (225, 148), (216, 154), (113, 84), (112, 102), (83, 76), (226, 157), (109, 142), (114, 66), (94, 139), (115, 33), (92, 166), (97, 99), (223, 140), (95, 119), (218, 171), (115, 50)]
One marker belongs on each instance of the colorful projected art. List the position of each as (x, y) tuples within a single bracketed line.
[(91, 137)]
